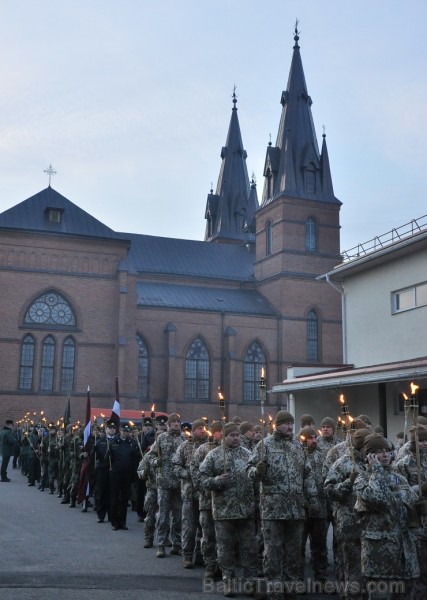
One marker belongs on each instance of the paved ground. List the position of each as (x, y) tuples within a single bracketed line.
[(52, 552)]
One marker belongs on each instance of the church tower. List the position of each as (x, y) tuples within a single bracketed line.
[(298, 232), (230, 211)]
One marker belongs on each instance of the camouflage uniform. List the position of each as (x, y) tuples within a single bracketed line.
[(316, 527), (146, 473), (341, 492), (76, 460), (233, 508), (190, 499), (285, 489), (50, 451), (388, 547), (168, 487), (407, 466), (208, 541), (324, 444), (66, 474)]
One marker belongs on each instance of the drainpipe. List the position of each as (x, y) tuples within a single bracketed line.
[(344, 317)]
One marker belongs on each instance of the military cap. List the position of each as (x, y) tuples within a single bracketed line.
[(110, 423), (230, 427), (245, 426), (197, 423), (147, 422), (215, 426), (328, 422), (283, 416), (161, 419), (307, 432), (306, 420), (186, 426), (125, 427)]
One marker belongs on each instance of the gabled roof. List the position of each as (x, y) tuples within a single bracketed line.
[(150, 254), (164, 295), (33, 215)]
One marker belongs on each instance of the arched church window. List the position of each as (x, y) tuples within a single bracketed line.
[(197, 371), (68, 364), (253, 362), (269, 238), (26, 370), (50, 309), (311, 235), (312, 336), (142, 368), (47, 364)]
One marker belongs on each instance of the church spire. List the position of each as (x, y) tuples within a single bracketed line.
[(294, 166), (227, 211)]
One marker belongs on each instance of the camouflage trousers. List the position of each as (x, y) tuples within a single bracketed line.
[(419, 591), (44, 472), (53, 472), (74, 482), (282, 551), (169, 512), (316, 531), (351, 563), (228, 534), (190, 524), (150, 508), (208, 541)]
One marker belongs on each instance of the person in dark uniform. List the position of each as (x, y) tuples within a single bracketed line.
[(102, 471), (124, 461)]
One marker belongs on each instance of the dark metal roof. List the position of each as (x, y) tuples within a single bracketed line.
[(150, 254), (32, 215), (165, 295)]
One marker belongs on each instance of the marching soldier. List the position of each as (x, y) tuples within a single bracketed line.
[(102, 471)]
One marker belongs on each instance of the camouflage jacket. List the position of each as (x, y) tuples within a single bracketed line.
[(340, 490), (146, 472), (181, 467), (325, 444), (247, 443), (288, 485), (316, 458), (382, 501), (164, 448), (333, 455), (407, 467), (205, 496), (50, 448), (237, 500)]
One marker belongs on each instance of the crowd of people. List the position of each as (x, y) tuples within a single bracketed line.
[(245, 502)]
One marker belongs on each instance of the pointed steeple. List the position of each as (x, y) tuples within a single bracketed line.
[(294, 166), (229, 208)]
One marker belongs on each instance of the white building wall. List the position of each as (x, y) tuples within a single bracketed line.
[(374, 334)]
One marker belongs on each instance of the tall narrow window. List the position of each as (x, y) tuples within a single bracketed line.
[(68, 364), (197, 372), (142, 368), (47, 364), (26, 370), (254, 361), (312, 336), (311, 235), (269, 238)]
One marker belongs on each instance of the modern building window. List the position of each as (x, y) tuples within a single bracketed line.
[(197, 372), (408, 298), (68, 364), (312, 336), (50, 309), (142, 368), (26, 370), (269, 238), (47, 364), (311, 235), (253, 362)]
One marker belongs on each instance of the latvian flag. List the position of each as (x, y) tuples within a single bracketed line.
[(83, 488), (115, 413)]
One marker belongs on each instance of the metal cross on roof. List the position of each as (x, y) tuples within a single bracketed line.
[(50, 171)]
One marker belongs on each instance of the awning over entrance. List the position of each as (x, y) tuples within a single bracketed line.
[(403, 371)]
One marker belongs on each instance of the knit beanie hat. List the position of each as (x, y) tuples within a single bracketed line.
[(215, 426), (375, 442), (306, 420), (328, 422), (358, 437), (174, 417), (421, 420), (245, 426), (283, 416), (229, 428), (307, 432), (197, 423), (422, 433)]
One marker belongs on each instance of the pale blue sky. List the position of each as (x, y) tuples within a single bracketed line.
[(130, 101)]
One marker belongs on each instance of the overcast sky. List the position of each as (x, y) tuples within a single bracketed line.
[(130, 100)]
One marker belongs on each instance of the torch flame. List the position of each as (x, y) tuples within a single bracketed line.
[(342, 399), (405, 397), (414, 388), (262, 373), (131, 423), (220, 394)]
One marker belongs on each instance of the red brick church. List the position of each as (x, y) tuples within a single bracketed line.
[(175, 319)]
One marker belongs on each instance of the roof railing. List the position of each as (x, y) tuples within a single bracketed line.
[(393, 236)]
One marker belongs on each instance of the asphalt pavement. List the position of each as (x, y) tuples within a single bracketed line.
[(53, 552)]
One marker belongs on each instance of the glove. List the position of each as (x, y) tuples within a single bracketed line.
[(424, 488), (261, 468), (353, 476)]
